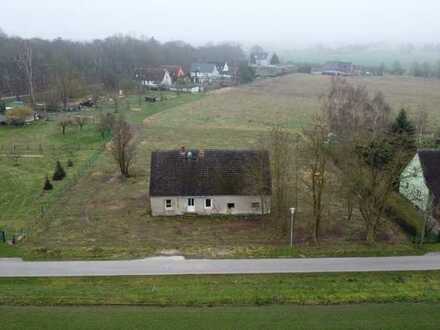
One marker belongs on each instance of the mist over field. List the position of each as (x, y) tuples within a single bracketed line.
[(278, 23)]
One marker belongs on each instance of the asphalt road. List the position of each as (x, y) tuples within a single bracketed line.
[(181, 266)]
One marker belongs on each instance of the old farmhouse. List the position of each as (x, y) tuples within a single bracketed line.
[(210, 182)]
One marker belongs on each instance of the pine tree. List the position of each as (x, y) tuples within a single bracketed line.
[(402, 125), (59, 173), (275, 60), (403, 138), (47, 185)]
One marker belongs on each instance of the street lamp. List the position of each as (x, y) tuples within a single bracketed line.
[(292, 217)]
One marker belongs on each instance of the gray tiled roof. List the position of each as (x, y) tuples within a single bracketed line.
[(210, 173), (430, 160), (203, 67)]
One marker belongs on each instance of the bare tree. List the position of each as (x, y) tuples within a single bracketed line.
[(369, 157), (123, 148), (25, 64), (316, 162), (65, 122), (280, 145), (421, 123), (81, 121), (105, 124)]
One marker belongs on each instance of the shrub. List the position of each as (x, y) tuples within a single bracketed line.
[(19, 115), (69, 163), (47, 185), (59, 173)]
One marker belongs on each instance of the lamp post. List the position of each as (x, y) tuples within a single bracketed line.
[(292, 217)]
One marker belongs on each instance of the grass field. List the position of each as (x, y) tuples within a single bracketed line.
[(369, 316), (237, 290), (37, 147), (103, 216)]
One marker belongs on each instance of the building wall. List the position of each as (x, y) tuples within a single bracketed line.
[(243, 205), (413, 186)]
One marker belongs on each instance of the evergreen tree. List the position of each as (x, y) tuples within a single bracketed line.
[(403, 137), (47, 185), (59, 173), (397, 69), (402, 125), (246, 73), (275, 60), (69, 163)]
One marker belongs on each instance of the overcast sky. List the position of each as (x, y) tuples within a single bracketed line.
[(287, 22)]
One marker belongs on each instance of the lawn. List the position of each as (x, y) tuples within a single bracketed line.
[(28, 155), (369, 316), (309, 289), (104, 216)]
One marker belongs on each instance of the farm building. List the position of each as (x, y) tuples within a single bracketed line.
[(210, 182), (420, 181), (335, 69)]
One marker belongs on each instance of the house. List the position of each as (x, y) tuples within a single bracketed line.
[(154, 77), (236, 182), (261, 59), (337, 69), (176, 71), (420, 182), (204, 73)]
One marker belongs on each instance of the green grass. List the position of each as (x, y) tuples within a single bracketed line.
[(102, 216), (310, 289), (105, 217), (21, 192), (370, 316)]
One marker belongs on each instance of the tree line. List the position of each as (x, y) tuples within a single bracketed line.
[(28, 66)]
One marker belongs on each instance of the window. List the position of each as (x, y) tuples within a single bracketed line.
[(255, 205), (168, 204), (231, 206), (208, 203)]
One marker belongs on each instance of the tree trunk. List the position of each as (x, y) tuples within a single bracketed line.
[(371, 233)]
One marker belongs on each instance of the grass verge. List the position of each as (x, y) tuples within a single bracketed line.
[(309, 289), (382, 316)]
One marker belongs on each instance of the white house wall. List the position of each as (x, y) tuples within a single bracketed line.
[(243, 205), (413, 185)]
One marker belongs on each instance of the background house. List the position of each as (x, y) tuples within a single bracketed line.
[(420, 182), (154, 77), (202, 73), (210, 182)]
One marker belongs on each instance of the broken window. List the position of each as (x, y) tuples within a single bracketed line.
[(169, 204), (231, 206), (208, 203)]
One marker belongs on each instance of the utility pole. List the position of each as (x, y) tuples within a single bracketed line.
[(292, 218)]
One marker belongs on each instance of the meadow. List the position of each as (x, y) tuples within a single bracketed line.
[(105, 216), (369, 316)]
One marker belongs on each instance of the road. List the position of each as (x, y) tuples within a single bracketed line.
[(181, 266)]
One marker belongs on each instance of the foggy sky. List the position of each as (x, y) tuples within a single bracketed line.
[(273, 22)]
